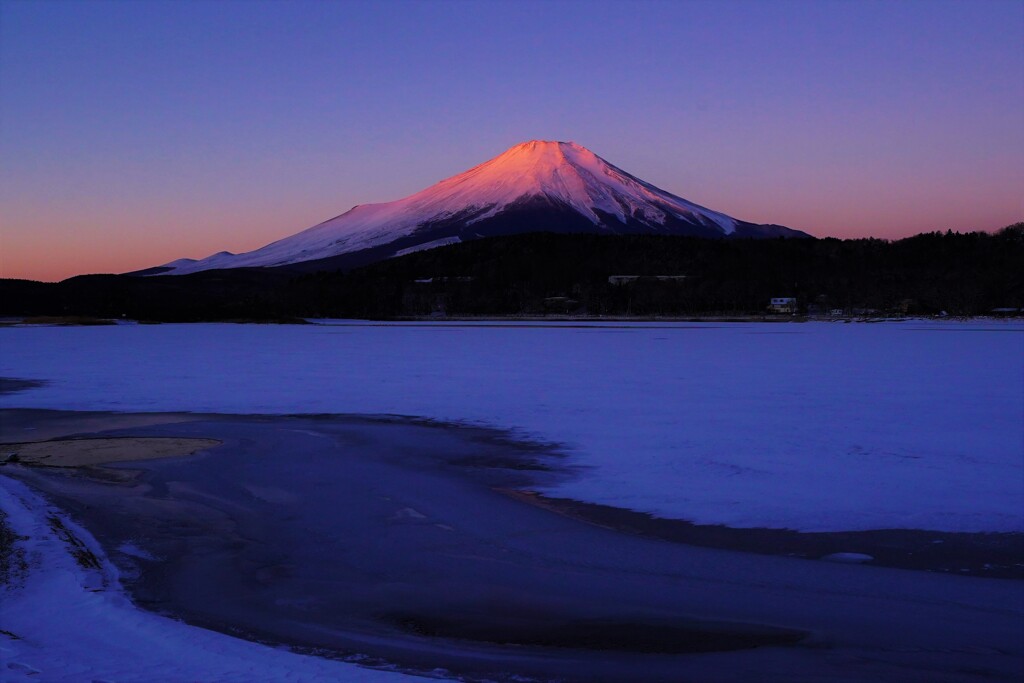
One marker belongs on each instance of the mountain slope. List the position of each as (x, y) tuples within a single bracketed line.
[(534, 186)]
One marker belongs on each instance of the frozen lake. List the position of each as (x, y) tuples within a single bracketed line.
[(815, 426), (420, 562)]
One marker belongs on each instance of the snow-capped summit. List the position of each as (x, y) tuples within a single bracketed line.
[(573, 175), (534, 186)]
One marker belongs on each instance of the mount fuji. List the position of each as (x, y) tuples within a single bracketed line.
[(536, 186)]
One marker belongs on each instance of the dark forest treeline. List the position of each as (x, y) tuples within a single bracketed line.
[(545, 273)]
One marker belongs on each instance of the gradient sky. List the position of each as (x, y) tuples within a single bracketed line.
[(134, 133)]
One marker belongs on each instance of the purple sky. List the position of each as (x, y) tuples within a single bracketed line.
[(133, 133)]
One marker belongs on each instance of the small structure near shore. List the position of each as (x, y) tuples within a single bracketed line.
[(782, 304)]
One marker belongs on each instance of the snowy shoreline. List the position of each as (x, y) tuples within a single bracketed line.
[(65, 622)]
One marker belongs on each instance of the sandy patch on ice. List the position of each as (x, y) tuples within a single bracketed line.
[(82, 452)]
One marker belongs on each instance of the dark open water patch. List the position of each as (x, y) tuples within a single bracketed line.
[(622, 635), (385, 538), (11, 385), (992, 555)]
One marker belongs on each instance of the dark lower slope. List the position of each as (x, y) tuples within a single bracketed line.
[(549, 273), (539, 214)]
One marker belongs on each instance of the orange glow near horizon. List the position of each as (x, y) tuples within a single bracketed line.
[(47, 249)]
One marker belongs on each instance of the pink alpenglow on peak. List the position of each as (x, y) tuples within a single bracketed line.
[(570, 173), (535, 186)]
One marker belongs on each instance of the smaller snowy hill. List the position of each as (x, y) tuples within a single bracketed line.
[(534, 186)]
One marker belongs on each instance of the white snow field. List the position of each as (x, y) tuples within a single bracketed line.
[(813, 426)]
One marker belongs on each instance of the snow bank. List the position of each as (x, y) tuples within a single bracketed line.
[(816, 426), (74, 624)]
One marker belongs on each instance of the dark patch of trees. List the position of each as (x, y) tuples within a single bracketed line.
[(546, 273)]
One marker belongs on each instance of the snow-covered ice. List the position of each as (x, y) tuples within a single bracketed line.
[(816, 426), (811, 426)]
